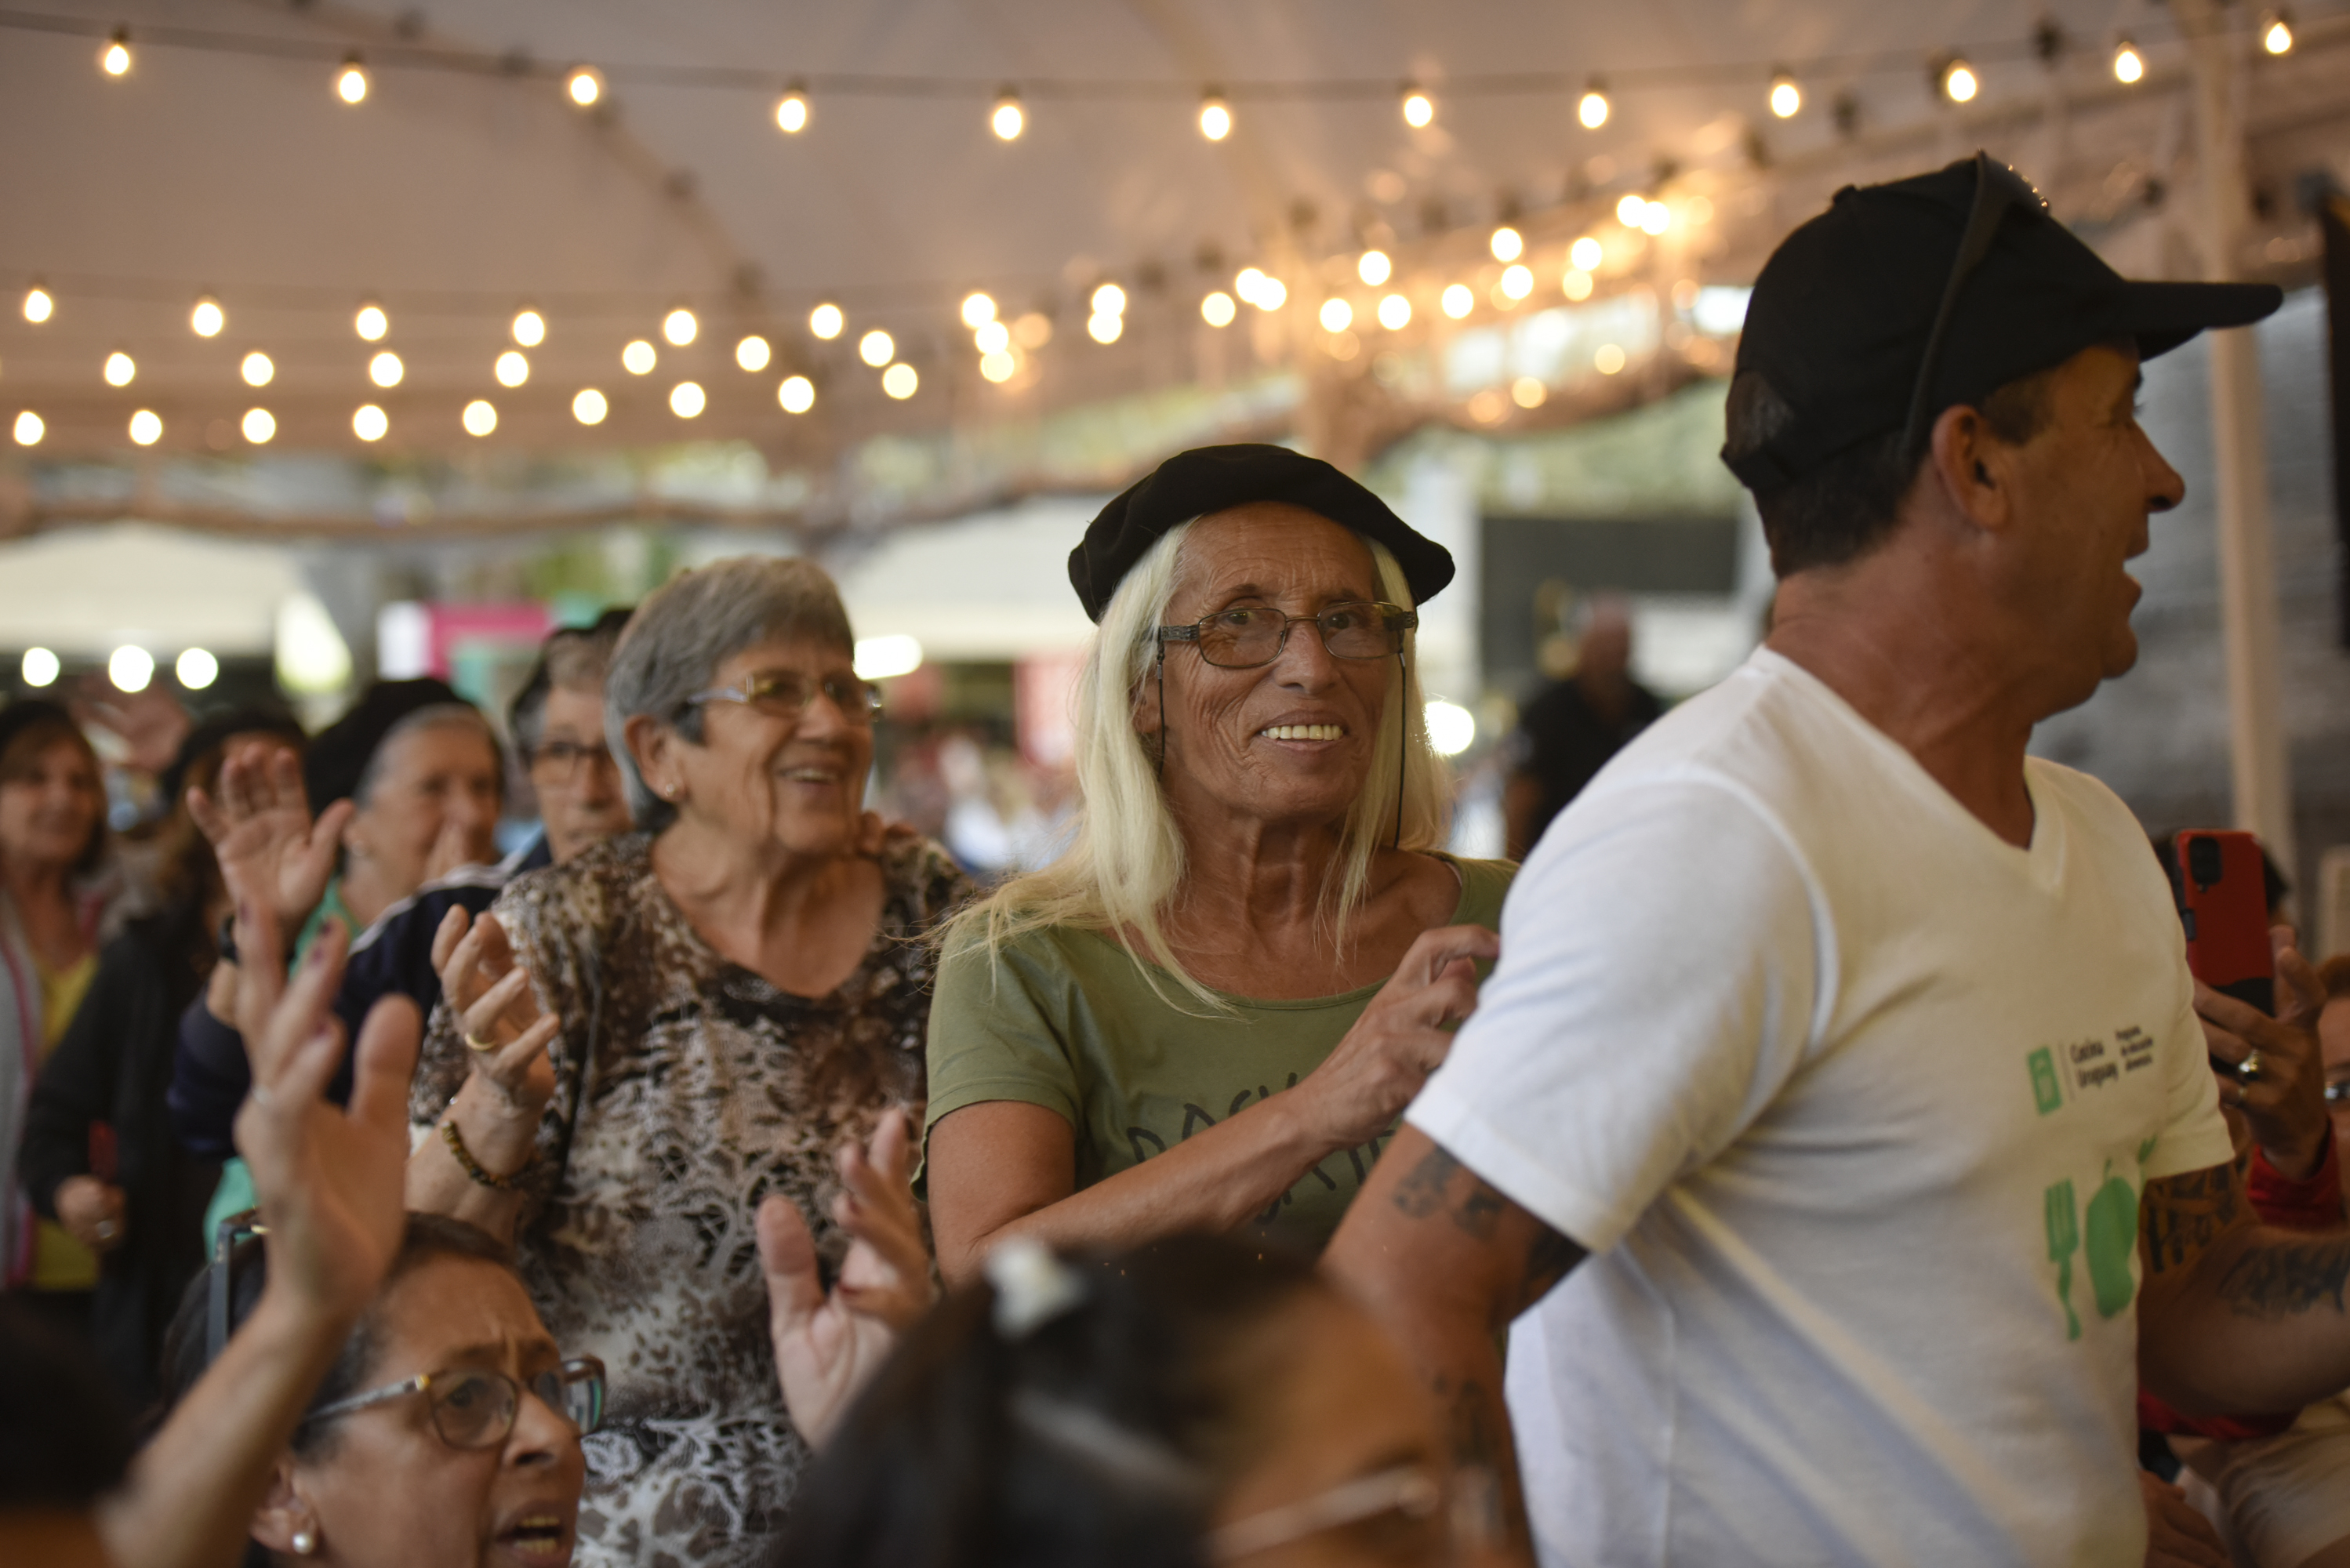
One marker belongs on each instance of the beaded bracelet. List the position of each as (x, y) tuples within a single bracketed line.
[(464, 1157)]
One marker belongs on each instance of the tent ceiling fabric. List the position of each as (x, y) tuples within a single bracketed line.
[(456, 196)]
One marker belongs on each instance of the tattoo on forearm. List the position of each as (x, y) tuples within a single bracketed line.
[(1482, 1461), (2279, 1279), (1427, 1185), (2183, 1215)]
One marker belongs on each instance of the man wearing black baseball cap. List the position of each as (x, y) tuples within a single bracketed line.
[(1846, 1055)]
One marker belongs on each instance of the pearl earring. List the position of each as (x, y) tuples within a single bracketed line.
[(305, 1543)]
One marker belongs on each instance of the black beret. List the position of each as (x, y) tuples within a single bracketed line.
[(337, 757), (1215, 478)]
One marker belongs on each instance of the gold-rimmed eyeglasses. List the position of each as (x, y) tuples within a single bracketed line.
[(1248, 635), (477, 1408), (786, 694)]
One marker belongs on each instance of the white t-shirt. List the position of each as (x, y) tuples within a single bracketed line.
[(1851, 1101)]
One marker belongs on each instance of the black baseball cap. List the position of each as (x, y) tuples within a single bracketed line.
[(1839, 320), (1207, 479)]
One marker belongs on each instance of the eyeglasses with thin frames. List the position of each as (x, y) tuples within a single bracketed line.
[(477, 1408), (1998, 191), (786, 694), (564, 760), (1249, 637)]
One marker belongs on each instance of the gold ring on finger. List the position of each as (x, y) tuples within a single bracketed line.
[(480, 1047), (2248, 1071)]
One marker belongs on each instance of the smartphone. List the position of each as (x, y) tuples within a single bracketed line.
[(2223, 898)]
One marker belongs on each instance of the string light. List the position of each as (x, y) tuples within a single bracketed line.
[(1517, 282), (1656, 218), (997, 366), (1608, 359), (1374, 267), (678, 326), (207, 319), (791, 112), (1786, 97), (1270, 293), (1336, 314), (1033, 331), (1395, 312), (583, 86), (511, 368), (2276, 33), (371, 323), (1631, 209), (369, 423), (259, 425), (2129, 65), (195, 668), (1218, 308), (1215, 117), (146, 427), (978, 310), (1247, 282), (39, 304), (1419, 109), (1576, 284), (797, 394), (130, 668), (1959, 82), (1006, 119), (351, 81), (826, 321), (1592, 109), (685, 400), (1110, 300), (900, 380), (1528, 392), (588, 407), (479, 418), (753, 353), (29, 428), (257, 370), (1508, 243), (993, 338), (1585, 253), (639, 358), (120, 368), (41, 667), (115, 58), (1103, 327), (1457, 301), (529, 328), (385, 369), (877, 348)]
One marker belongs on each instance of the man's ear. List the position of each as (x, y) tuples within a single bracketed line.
[(1972, 468), (283, 1513)]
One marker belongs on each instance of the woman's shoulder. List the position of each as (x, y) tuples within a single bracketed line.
[(925, 884), (584, 894), (1483, 885)]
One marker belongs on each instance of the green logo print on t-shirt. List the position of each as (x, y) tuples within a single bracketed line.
[(2108, 1237)]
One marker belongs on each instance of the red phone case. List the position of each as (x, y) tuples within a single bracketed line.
[(104, 1163), (2223, 898)]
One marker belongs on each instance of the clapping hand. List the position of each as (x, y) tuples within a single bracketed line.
[(497, 1012), (828, 1345), (258, 818)]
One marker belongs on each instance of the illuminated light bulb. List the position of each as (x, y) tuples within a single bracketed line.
[(39, 304), (115, 58), (1592, 111), (1959, 83), (2276, 34), (1457, 301), (826, 321), (41, 667), (257, 370), (1271, 294), (1215, 117), (1608, 359), (877, 348), (29, 429), (900, 381), (1110, 300), (1374, 268), (588, 407), (207, 319), (146, 427), (797, 394), (1104, 329), (511, 368), (371, 323), (1528, 392), (130, 668), (1395, 312), (583, 87), (753, 353), (258, 425), (978, 310), (385, 369), (1419, 110), (639, 358), (1033, 331), (997, 366), (1576, 284), (120, 368), (2129, 65), (884, 658), (1247, 282), (1005, 118), (685, 400), (1586, 253), (196, 668), (1508, 243), (351, 81), (369, 423), (1517, 282), (1336, 315), (792, 113), (1786, 97), (678, 326), (1631, 209), (479, 418), (993, 338), (1218, 308), (529, 328), (1656, 218)]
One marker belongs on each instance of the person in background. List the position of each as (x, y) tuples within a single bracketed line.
[(98, 1154), (2334, 1044), (636, 1047), (1207, 1012), (60, 902), (1570, 729)]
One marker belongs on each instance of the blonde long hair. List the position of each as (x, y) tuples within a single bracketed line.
[(1125, 863)]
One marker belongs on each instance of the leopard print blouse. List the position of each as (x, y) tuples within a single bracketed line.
[(687, 1089)]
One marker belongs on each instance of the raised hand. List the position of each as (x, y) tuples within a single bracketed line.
[(1402, 1036), (497, 1012), (258, 818), (2283, 1103)]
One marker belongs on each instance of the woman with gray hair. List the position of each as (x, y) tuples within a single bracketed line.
[(1209, 1011), (637, 1047)]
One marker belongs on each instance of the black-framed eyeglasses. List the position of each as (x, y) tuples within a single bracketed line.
[(786, 694), (477, 1408), (563, 759), (220, 1289), (1998, 191), (1248, 635)]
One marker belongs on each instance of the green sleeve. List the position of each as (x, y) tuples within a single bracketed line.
[(1001, 1035), (1483, 885)]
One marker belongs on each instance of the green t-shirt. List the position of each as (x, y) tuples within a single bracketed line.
[(1067, 1021)]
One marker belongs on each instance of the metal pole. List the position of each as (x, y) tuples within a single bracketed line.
[(2259, 767)]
